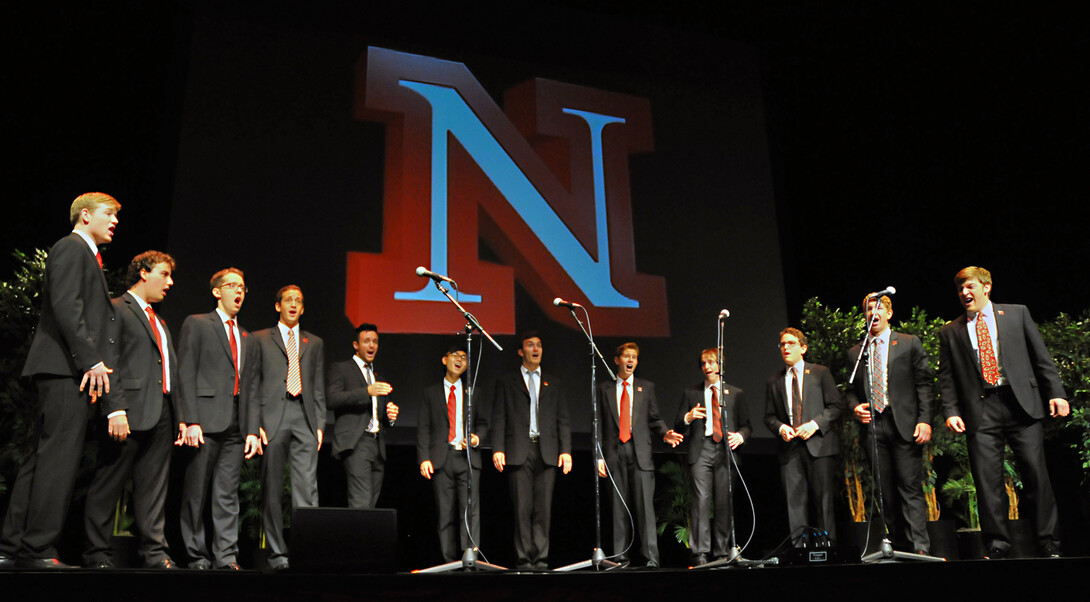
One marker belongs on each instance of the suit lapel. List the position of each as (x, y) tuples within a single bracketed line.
[(141, 317), (1004, 329), (611, 396), (811, 390), (278, 340), (961, 335), (221, 333)]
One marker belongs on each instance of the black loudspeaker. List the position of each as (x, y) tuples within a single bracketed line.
[(344, 540)]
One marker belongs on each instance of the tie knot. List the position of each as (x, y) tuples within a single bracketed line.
[(231, 323), (150, 311)]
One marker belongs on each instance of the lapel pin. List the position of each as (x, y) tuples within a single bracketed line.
[(640, 389)]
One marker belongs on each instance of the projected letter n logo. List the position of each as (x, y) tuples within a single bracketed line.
[(545, 185)]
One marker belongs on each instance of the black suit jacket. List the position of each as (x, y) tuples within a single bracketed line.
[(645, 421), (909, 383), (77, 327), (511, 419), (821, 403), (1023, 358), (737, 417), (433, 427), (269, 385), (206, 376), (140, 369), (351, 405)]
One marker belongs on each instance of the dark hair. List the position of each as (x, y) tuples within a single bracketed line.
[(362, 328), (529, 334), (220, 276), (146, 262), (284, 289)]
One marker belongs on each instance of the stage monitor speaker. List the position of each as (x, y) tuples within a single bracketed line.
[(344, 540)]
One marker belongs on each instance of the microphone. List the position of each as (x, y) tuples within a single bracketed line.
[(889, 291), (723, 315), (421, 271), (562, 303)]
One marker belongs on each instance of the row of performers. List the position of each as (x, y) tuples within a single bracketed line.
[(231, 394)]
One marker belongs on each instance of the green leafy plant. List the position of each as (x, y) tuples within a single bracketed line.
[(672, 501)]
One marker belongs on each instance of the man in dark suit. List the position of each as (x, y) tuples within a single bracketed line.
[(707, 455), (531, 438), (994, 377), (289, 387), (803, 408), (441, 451), (629, 420), (74, 346), (899, 390), (214, 373), (357, 396), (139, 428)]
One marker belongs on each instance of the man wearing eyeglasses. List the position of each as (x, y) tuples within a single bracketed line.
[(446, 460), (803, 408), (214, 373), (357, 396)]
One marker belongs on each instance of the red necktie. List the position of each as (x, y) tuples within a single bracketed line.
[(452, 408), (988, 366), (717, 424), (159, 344), (626, 414), (98, 258), (234, 351)]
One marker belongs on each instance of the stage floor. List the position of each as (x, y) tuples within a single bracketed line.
[(1005, 579)]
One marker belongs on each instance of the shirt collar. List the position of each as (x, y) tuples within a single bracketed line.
[(140, 301), (224, 317), (284, 330), (985, 311), (87, 239)]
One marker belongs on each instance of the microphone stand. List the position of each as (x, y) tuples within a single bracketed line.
[(734, 555), (598, 558), (885, 552), (469, 559)]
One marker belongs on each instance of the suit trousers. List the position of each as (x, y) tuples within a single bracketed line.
[(1004, 421), (145, 455), (710, 485), (363, 469), (531, 487), (900, 468), (809, 482), (216, 465), (633, 502), (296, 444), (449, 484), (43, 488)]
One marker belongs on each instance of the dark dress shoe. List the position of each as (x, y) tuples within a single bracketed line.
[(1050, 550), (41, 564), (101, 564), (199, 565), (996, 553), (700, 559), (652, 564), (233, 566), (7, 562), (165, 564)]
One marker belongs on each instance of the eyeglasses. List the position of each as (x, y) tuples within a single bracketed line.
[(235, 285), (458, 356), (788, 345)]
